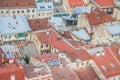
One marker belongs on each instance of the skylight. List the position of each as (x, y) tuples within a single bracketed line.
[(112, 65), (104, 68)]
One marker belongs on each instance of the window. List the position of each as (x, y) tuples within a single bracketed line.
[(41, 46), (33, 10), (49, 6), (82, 64), (28, 11), (18, 12), (9, 36), (42, 7), (16, 36), (2, 12), (13, 11), (5, 37), (46, 45), (32, 16), (39, 14), (22, 11), (6, 11), (28, 16), (43, 14)]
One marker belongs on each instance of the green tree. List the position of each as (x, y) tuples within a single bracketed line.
[(26, 59)]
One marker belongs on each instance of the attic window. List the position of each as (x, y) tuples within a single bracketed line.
[(104, 68), (112, 65)]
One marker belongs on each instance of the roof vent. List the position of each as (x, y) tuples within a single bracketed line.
[(13, 27), (16, 22), (104, 68), (14, 16), (112, 65)]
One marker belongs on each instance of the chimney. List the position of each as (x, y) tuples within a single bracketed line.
[(14, 16), (16, 22)]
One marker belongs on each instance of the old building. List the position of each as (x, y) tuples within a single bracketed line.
[(23, 7), (14, 29)]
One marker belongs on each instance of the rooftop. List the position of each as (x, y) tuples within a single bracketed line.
[(39, 24), (83, 9), (82, 55), (59, 9), (11, 51), (63, 73), (10, 70), (116, 51), (98, 17), (76, 3), (14, 25), (31, 73), (107, 64), (50, 36), (81, 34), (104, 3), (17, 3), (46, 57), (87, 73), (113, 28)]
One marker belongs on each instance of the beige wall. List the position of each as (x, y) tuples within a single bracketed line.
[(14, 37), (44, 14), (30, 13)]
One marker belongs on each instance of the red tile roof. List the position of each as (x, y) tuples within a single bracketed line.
[(30, 73), (63, 73), (17, 3), (98, 17), (87, 73), (67, 35), (80, 54), (104, 3), (106, 61), (50, 36), (39, 24), (115, 51), (46, 57), (76, 3), (12, 69)]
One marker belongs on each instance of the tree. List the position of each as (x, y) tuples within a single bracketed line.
[(26, 59)]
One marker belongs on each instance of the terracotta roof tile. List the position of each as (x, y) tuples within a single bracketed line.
[(30, 73), (87, 73), (104, 3), (76, 3), (46, 57), (17, 3), (39, 24), (50, 36), (107, 64), (80, 54), (98, 17), (6, 72), (115, 50), (63, 73)]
